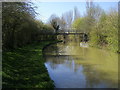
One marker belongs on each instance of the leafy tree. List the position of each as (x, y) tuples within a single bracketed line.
[(112, 29), (19, 25), (106, 30), (79, 25), (68, 18)]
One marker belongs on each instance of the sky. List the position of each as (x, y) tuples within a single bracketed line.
[(46, 9)]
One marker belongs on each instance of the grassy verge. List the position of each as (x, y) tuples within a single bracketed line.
[(24, 68)]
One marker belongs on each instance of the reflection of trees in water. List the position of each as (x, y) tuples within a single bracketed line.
[(56, 60), (69, 38), (64, 48), (53, 49), (68, 61), (94, 77), (76, 67)]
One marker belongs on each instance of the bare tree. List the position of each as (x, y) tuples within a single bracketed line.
[(62, 23), (93, 13), (68, 17), (76, 13)]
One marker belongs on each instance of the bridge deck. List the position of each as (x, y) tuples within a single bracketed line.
[(69, 33), (62, 33)]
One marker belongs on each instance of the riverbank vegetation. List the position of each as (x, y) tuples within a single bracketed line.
[(24, 68), (100, 26), (23, 39), (20, 26)]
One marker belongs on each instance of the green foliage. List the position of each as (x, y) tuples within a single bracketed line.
[(79, 25), (76, 24), (112, 30), (24, 68), (20, 27), (105, 31), (102, 27)]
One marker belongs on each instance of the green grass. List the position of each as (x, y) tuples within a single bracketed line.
[(24, 68)]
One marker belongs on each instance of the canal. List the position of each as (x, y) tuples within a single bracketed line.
[(72, 66)]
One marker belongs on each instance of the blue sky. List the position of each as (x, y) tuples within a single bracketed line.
[(46, 9)]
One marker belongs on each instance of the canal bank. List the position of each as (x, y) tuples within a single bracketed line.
[(24, 67)]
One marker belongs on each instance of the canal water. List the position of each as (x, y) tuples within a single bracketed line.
[(72, 66)]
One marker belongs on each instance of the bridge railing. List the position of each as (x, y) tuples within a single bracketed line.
[(70, 31)]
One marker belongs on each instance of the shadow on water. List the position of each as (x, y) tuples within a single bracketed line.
[(72, 66)]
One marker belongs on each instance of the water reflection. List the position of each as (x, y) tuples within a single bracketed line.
[(71, 66)]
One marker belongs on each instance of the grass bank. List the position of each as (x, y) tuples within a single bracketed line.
[(24, 67)]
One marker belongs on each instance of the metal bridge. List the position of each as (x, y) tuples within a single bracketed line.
[(66, 33), (69, 32)]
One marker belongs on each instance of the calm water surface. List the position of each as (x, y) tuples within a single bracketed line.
[(72, 66)]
